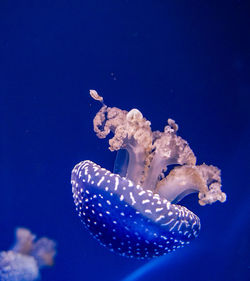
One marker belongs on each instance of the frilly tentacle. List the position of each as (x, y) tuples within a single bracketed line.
[(150, 154)]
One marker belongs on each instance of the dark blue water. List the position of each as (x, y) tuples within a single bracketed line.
[(187, 60)]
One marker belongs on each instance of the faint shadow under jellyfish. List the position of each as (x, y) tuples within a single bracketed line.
[(157, 263), (216, 261)]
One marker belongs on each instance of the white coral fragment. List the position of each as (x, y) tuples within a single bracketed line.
[(95, 95)]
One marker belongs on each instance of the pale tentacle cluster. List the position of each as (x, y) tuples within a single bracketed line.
[(27, 256), (150, 153)]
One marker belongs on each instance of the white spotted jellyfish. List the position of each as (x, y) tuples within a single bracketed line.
[(133, 210)]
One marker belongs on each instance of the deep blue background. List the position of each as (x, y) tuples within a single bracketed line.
[(188, 60)]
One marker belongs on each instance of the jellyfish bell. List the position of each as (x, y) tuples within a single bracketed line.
[(132, 210), (126, 218)]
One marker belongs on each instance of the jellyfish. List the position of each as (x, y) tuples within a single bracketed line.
[(23, 261), (133, 211)]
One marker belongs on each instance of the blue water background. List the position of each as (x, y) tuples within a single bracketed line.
[(188, 60)]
